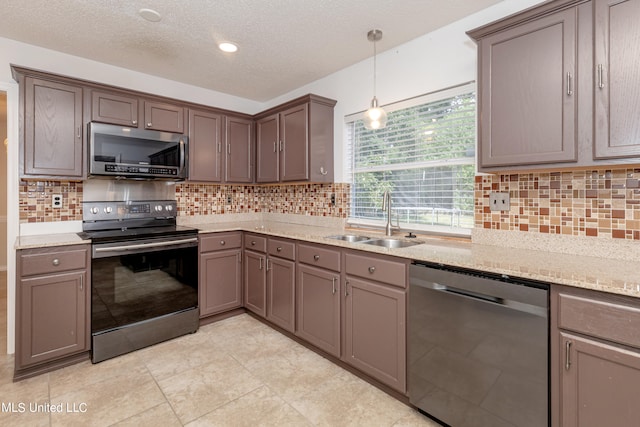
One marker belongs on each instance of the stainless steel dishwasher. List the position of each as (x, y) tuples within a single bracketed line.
[(478, 347)]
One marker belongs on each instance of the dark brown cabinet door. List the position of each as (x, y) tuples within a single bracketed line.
[(220, 281), (255, 282), (318, 305), (617, 72), (528, 98), (53, 130), (375, 331), (281, 274), (114, 108), (205, 146), (52, 319), (239, 150), (163, 117), (294, 152), (268, 149), (600, 384)]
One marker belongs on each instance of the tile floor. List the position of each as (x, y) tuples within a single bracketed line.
[(237, 372)]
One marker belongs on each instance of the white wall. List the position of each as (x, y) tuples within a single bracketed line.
[(443, 58)]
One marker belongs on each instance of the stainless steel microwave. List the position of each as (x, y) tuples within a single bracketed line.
[(123, 152)]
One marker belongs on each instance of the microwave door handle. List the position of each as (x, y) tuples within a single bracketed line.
[(182, 154)]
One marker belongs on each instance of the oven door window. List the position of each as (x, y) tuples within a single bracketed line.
[(133, 288)]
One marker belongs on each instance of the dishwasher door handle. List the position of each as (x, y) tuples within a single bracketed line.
[(507, 303)]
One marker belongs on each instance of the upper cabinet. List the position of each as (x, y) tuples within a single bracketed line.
[(239, 149), (617, 85), (294, 141), (51, 129), (557, 86), (205, 146), (125, 109)]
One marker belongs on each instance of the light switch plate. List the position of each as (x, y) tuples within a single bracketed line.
[(499, 201), (56, 201)]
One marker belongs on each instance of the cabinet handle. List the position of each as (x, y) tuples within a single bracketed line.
[(274, 146), (279, 249), (281, 145), (81, 283), (333, 284), (55, 262), (134, 122), (239, 258), (268, 264), (346, 288), (569, 86), (219, 148), (260, 263), (600, 81), (228, 149), (79, 133), (222, 243), (149, 124), (372, 270), (567, 355), (316, 257)]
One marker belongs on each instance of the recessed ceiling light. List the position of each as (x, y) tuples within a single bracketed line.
[(228, 47), (150, 15)]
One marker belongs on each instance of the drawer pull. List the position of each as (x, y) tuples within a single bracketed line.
[(149, 125), (279, 249), (372, 270), (316, 257), (55, 262), (222, 243), (134, 122), (253, 243)]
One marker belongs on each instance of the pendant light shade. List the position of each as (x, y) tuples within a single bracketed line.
[(375, 117)]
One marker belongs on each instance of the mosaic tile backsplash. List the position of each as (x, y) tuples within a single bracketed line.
[(597, 203), (195, 199)]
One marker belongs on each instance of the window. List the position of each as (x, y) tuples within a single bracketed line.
[(425, 156)]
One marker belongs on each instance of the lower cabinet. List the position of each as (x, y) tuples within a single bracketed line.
[(255, 282), (220, 287), (52, 304), (595, 359), (281, 282), (318, 304), (375, 317)]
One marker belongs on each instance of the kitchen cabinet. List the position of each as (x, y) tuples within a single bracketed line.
[(294, 141), (239, 149), (163, 117), (375, 317), (205, 146), (527, 97), (51, 129), (220, 284), (255, 277), (617, 87), (318, 297), (595, 358), (52, 305), (114, 108), (281, 279), (558, 87)]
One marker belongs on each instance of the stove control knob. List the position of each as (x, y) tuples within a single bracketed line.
[(94, 210), (158, 208), (168, 208), (108, 210)]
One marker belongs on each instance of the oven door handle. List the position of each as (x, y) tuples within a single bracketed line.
[(145, 245)]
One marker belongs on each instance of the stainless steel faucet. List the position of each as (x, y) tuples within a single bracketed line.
[(386, 205)]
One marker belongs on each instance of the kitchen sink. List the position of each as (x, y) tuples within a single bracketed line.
[(390, 243), (349, 238)]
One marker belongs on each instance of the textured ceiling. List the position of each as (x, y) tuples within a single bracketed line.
[(283, 44)]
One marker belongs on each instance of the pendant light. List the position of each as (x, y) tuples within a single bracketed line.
[(375, 117)]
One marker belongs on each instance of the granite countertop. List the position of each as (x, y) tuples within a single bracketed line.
[(601, 274)]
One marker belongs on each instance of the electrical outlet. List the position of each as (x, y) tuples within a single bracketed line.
[(228, 200), (499, 201), (333, 199), (56, 201)]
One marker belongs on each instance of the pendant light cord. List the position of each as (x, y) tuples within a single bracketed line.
[(374, 66)]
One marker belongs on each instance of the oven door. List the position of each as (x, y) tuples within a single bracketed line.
[(144, 291)]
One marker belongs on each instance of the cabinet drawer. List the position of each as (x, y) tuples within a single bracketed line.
[(52, 261), (602, 319), (319, 256), (374, 268), (282, 248), (255, 242), (218, 241)]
